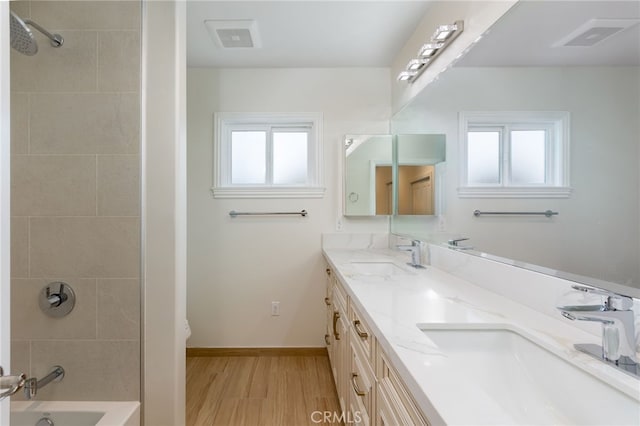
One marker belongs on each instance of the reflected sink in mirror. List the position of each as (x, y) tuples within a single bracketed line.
[(378, 268), (531, 384)]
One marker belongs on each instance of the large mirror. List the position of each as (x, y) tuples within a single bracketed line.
[(577, 57)]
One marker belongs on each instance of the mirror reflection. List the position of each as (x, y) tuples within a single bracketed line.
[(523, 66), (420, 160), (368, 180)]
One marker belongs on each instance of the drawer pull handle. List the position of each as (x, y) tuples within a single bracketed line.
[(327, 302), (336, 316), (358, 392), (327, 340), (356, 325), (328, 271)]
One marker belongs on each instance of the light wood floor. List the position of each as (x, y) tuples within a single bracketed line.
[(258, 390)]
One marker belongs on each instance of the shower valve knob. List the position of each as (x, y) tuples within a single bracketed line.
[(57, 304)]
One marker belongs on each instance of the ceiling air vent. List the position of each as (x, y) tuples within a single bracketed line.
[(234, 34), (595, 31)]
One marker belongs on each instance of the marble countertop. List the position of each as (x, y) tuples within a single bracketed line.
[(395, 306)]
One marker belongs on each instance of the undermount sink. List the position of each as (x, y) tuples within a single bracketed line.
[(378, 268), (531, 384)]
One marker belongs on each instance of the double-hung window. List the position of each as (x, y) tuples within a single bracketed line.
[(268, 155), (514, 154)]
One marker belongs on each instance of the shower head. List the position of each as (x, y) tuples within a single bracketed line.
[(21, 37)]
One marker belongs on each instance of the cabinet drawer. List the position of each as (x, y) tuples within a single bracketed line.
[(397, 392), (339, 295), (362, 334), (362, 388)]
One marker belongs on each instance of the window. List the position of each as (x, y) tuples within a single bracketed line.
[(514, 154), (267, 156)]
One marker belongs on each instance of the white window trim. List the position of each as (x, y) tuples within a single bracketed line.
[(222, 187), (558, 121)]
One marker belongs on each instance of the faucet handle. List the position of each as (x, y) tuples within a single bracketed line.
[(455, 241), (615, 301)]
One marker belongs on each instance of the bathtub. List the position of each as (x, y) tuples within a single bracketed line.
[(76, 413)]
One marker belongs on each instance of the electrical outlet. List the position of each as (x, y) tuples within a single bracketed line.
[(275, 309), (442, 224), (339, 224)]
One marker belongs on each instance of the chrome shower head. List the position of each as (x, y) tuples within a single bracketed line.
[(21, 37)]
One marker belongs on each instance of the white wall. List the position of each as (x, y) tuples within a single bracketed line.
[(596, 232), (236, 267)]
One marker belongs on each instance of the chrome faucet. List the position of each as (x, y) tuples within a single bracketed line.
[(618, 328), (454, 244), (416, 255), (32, 385)]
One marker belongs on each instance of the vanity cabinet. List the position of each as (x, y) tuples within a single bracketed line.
[(395, 405), (369, 389), (337, 335)]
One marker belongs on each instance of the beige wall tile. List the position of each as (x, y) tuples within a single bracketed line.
[(21, 8), (19, 247), (118, 309), (45, 185), (119, 61), (71, 67), (85, 124), (82, 15), (103, 247), (19, 123), (118, 185), (20, 356), (20, 362), (29, 322), (94, 370)]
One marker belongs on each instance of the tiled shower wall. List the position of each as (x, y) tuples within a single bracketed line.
[(75, 204)]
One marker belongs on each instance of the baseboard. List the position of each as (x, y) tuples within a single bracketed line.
[(211, 352)]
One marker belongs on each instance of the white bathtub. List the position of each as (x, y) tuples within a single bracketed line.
[(76, 413)]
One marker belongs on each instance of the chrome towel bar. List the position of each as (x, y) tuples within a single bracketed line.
[(234, 213), (547, 213)]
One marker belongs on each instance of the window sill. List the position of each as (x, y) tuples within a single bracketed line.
[(514, 192), (270, 192)]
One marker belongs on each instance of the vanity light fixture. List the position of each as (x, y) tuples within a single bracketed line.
[(444, 32), (429, 49), (443, 36), (416, 64), (407, 75)]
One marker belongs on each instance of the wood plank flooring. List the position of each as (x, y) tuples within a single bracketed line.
[(259, 390)]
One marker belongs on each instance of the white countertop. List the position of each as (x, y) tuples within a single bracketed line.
[(394, 306)]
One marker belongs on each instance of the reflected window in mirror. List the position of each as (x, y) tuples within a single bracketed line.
[(514, 154)]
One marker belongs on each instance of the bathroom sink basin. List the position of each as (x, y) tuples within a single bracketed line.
[(378, 268), (531, 384)]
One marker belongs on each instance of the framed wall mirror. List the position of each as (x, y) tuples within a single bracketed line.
[(374, 163), (368, 182), (540, 57)]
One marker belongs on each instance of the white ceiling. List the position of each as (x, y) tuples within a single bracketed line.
[(526, 35), (306, 33)]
